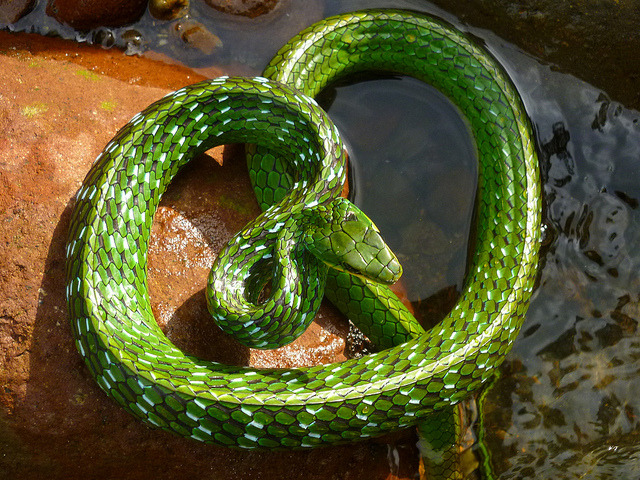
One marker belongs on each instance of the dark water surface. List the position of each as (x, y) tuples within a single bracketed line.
[(413, 171), (567, 402)]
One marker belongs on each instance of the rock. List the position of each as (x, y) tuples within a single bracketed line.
[(252, 42), (88, 14), (196, 35), (245, 8), (59, 105), (168, 9), (13, 10), (596, 41)]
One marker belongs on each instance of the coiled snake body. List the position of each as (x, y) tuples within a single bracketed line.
[(298, 167)]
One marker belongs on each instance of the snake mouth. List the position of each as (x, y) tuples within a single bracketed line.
[(384, 266), (391, 272), (387, 274)]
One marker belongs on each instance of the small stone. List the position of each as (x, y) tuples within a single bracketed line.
[(133, 40), (168, 9), (245, 8), (196, 35), (88, 14)]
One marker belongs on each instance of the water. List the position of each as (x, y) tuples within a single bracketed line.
[(569, 390), (413, 170), (567, 402)]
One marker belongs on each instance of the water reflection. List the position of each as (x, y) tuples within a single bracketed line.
[(413, 170), (567, 402)]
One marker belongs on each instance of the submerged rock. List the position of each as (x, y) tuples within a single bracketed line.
[(245, 8), (87, 14), (195, 35), (168, 9), (13, 10)]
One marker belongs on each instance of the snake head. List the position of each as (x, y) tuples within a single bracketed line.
[(343, 237)]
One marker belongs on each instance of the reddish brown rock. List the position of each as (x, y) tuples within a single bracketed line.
[(13, 10), (59, 105), (88, 14), (168, 9), (196, 35), (246, 8)]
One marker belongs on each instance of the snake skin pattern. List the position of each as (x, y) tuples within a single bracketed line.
[(108, 302)]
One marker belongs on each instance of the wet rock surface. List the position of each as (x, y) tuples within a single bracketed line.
[(596, 41), (11, 10), (246, 8), (88, 14), (59, 105), (168, 9)]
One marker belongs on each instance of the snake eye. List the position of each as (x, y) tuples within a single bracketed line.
[(351, 217)]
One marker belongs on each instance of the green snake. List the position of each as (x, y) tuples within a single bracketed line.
[(298, 169)]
